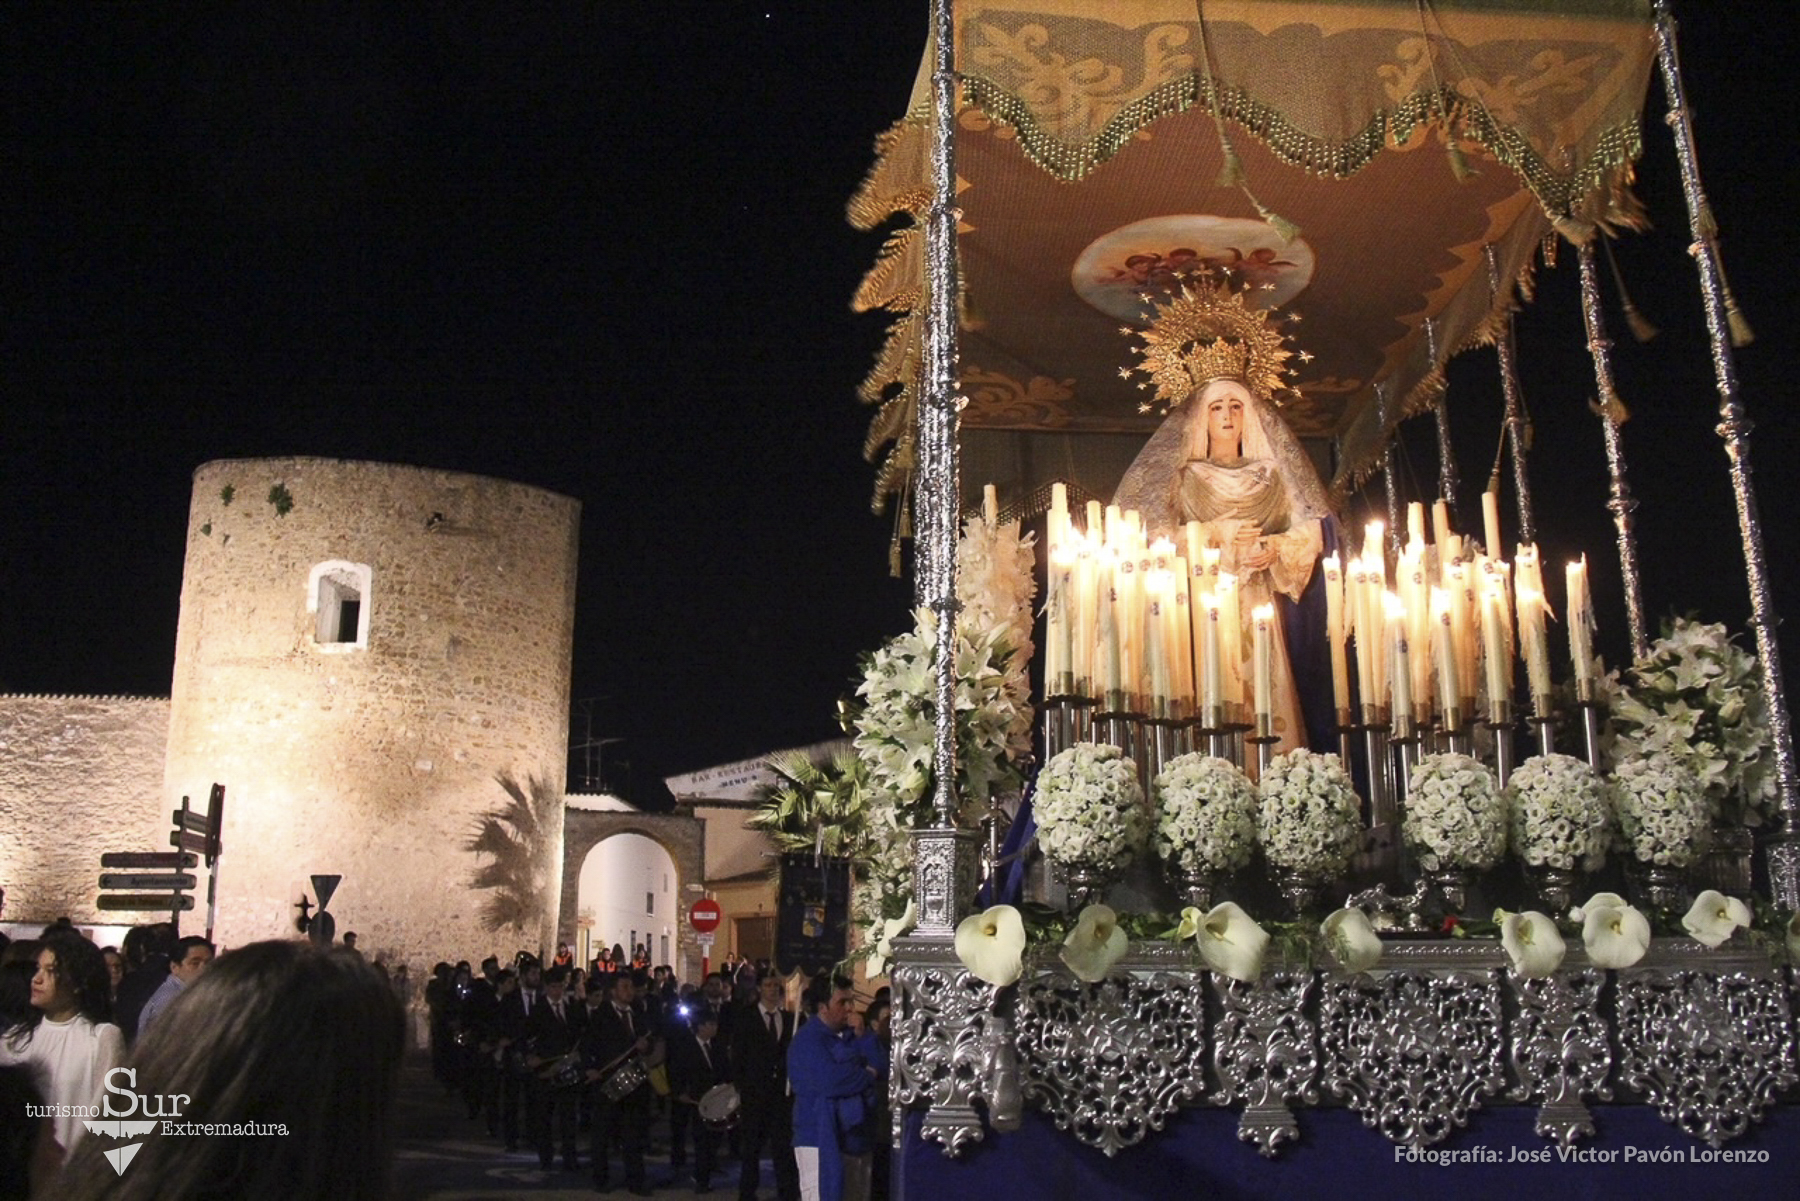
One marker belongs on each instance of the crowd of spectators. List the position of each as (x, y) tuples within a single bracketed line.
[(644, 1064), (296, 1049)]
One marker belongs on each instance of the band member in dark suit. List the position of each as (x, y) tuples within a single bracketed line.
[(697, 1062), (617, 1031), (760, 1037), (481, 1019), (555, 1028), (516, 1008)]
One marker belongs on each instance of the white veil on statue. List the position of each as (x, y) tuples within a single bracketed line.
[(1153, 483)]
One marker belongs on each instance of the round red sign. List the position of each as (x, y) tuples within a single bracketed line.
[(705, 916)]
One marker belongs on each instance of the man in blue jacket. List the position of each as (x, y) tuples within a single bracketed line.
[(829, 1077)]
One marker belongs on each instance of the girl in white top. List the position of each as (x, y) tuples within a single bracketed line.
[(66, 1041)]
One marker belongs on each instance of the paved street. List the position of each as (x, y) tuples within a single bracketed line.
[(443, 1155)]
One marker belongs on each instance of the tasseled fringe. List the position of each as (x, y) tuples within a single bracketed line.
[(1287, 230), (1613, 409), (1640, 326), (1577, 231), (1741, 333), (1459, 163), (1231, 175)]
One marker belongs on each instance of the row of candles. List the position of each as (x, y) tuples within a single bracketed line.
[(1151, 628)]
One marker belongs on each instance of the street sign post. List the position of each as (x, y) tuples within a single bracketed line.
[(148, 881), (705, 915), (173, 902)]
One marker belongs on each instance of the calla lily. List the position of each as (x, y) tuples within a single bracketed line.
[(891, 929), (1715, 917), (1232, 943), (1600, 900), (1095, 944), (992, 945), (1190, 924), (1352, 940), (1533, 944), (1793, 938), (1616, 936)]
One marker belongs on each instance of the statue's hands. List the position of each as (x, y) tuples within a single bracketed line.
[(1253, 554)]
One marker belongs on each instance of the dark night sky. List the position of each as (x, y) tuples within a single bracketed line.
[(604, 252)]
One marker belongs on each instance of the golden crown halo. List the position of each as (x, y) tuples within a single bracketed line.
[(1207, 333)]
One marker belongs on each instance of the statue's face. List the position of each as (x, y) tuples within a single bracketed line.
[(1223, 402)]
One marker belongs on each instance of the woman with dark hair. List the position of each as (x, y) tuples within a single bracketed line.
[(65, 1038), (297, 1049)]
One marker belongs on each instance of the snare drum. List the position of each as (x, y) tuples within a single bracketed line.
[(631, 1076), (719, 1106)]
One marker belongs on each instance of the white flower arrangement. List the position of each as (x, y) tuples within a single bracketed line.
[(1697, 697), (1205, 814), (1455, 814), (1663, 815), (1558, 814), (1090, 809), (1309, 818), (895, 729)]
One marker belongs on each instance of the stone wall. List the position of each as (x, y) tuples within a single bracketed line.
[(373, 761), (679, 834), (79, 776)]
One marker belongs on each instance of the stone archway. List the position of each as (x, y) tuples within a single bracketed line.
[(681, 835)]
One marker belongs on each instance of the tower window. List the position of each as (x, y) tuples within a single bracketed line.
[(337, 595)]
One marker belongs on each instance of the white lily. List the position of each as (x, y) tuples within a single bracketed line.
[(1190, 924), (1793, 938), (992, 945), (1095, 944), (1532, 943), (891, 929), (1600, 900), (1352, 940), (1715, 917), (1232, 943), (1616, 936)]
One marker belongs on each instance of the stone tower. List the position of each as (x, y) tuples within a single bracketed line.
[(363, 648)]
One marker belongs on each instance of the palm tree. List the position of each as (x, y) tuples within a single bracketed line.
[(521, 839)]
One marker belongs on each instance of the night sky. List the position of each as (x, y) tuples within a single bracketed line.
[(601, 249)]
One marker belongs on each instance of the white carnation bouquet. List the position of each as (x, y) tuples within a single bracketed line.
[(1663, 814), (1205, 814), (1090, 809), (1697, 697), (1310, 818), (1455, 815), (1558, 814)]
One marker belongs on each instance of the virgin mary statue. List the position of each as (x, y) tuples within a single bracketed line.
[(1226, 459)]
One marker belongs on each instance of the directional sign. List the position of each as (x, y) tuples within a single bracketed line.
[(705, 915), (141, 902), (191, 819), (146, 880), (323, 887), (170, 860), (187, 840)]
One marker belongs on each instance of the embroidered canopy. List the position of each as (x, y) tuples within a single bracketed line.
[(1107, 148)]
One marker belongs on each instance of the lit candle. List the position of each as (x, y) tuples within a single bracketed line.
[(1534, 644), (1581, 622), (1440, 525), (1156, 590), (1334, 632), (1231, 662), (1086, 630), (1180, 638), (1496, 648), (1212, 656), (1059, 640), (1262, 650), (1400, 670), (1443, 645), (1415, 523), (1490, 520)]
